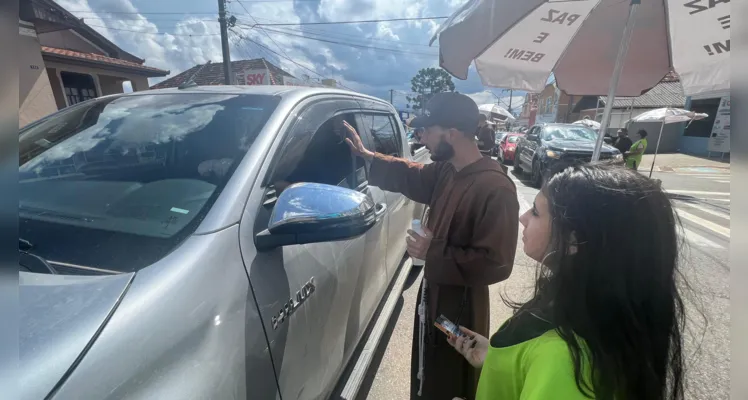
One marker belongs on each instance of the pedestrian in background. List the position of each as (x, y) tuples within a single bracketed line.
[(469, 241), (634, 155), (606, 318), (623, 142), (486, 135)]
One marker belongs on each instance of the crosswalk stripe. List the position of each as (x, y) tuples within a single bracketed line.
[(703, 174), (675, 191), (722, 181), (709, 211), (710, 177), (706, 224), (699, 240)]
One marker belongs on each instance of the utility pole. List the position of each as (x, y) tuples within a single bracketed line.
[(511, 92), (392, 92), (225, 42)]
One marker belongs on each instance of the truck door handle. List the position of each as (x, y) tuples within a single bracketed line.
[(379, 210)]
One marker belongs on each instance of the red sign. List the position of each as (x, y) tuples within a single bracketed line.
[(253, 77)]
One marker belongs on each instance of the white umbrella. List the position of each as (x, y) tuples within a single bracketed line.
[(593, 47), (588, 123), (488, 109), (666, 116)]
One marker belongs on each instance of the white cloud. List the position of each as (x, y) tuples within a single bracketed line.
[(137, 35), (384, 31), (486, 97), (371, 71)]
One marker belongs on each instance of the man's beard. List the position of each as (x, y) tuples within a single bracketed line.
[(443, 152)]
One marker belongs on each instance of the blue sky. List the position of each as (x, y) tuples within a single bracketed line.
[(179, 41)]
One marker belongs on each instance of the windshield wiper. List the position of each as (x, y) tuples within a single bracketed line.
[(24, 247)]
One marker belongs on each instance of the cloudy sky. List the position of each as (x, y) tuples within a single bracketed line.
[(368, 57)]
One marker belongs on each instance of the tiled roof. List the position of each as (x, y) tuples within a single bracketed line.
[(665, 94), (98, 58), (51, 12), (212, 74)]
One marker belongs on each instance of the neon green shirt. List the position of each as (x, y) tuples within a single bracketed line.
[(537, 369), (640, 144)]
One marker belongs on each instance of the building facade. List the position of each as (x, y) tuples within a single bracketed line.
[(246, 72), (63, 62)]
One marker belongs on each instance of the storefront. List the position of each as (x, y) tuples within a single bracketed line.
[(712, 134)]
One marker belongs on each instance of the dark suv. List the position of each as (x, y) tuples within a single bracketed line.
[(547, 144)]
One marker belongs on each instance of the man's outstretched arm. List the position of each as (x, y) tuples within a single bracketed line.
[(414, 180)]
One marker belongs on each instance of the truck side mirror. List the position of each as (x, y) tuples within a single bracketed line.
[(313, 213)]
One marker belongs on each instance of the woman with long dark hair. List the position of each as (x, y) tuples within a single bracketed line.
[(606, 319)]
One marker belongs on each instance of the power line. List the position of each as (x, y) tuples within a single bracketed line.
[(353, 22), (359, 40), (155, 33), (274, 1), (359, 46), (266, 34), (288, 58), (141, 12), (340, 35), (147, 19)]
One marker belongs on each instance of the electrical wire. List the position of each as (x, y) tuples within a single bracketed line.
[(339, 35), (154, 33), (359, 46), (148, 19), (353, 40), (289, 59), (266, 34), (354, 22), (141, 12)]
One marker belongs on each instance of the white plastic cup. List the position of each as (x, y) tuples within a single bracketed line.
[(417, 228)]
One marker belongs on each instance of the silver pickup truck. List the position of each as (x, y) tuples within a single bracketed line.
[(207, 243)]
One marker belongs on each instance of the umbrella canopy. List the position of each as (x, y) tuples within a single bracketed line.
[(517, 44), (488, 109), (588, 123), (668, 116)]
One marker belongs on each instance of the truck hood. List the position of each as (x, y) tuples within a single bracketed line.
[(577, 146), (60, 316)]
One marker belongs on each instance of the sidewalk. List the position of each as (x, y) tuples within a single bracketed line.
[(676, 162)]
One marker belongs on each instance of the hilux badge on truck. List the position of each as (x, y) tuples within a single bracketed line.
[(293, 303)]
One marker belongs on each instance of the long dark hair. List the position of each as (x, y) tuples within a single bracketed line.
[(611, 278)]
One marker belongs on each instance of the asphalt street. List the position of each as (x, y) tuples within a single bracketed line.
[(703, 204)]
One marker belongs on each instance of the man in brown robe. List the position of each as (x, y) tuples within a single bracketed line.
[(470, 239)]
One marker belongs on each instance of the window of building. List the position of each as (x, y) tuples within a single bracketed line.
[(703, 128), (78, 87)]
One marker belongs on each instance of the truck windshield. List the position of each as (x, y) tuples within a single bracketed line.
[(580, 133), (116, 183)]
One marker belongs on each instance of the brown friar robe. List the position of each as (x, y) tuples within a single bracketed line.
[(474, 217)]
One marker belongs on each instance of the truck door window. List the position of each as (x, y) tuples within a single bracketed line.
[(383, 133), (327, 158)]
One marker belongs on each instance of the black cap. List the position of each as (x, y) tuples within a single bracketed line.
[(449, 110)]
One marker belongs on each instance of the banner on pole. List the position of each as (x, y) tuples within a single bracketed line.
[(719, 141)]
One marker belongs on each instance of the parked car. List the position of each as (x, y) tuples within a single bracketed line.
[(547, 144), (507, 147), (414, 142), (167, 251), (499, 137)]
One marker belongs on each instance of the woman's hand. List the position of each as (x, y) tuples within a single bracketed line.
[(472, 346)]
